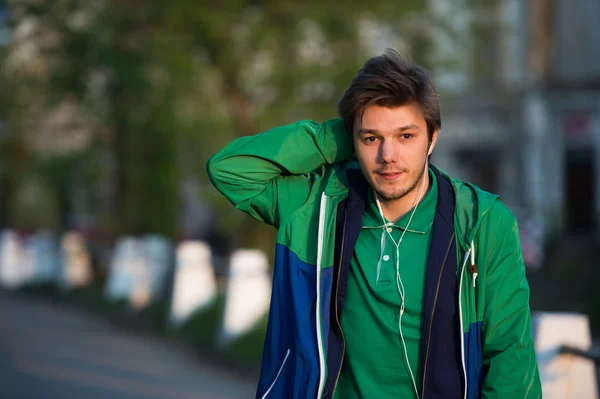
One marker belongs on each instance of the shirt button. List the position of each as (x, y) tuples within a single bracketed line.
[(389, 229), (386, 257)]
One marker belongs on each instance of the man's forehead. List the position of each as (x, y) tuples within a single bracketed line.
[(381, 118)]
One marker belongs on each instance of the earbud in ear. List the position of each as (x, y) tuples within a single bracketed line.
[(430, 147)]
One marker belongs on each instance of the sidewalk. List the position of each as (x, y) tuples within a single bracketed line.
[(50, 351)]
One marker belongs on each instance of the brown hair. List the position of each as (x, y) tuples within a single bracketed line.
[(389, 80)]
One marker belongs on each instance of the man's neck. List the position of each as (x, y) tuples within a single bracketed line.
[(396, 209)]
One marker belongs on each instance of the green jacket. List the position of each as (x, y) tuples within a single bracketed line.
[(296, 178)]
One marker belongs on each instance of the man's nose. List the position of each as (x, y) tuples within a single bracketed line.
[(387, 152)]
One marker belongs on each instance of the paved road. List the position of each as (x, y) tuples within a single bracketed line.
[(48, 351)]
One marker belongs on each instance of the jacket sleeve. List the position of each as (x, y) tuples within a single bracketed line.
[(271, 174), (509, 359)]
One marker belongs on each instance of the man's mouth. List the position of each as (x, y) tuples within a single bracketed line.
[(389, 175)]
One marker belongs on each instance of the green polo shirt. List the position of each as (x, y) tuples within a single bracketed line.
[(374, 364)]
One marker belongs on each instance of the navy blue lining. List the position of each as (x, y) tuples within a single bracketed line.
[(441, 338), (349, 217)]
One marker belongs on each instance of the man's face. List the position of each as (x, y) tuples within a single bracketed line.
[(391, 146)]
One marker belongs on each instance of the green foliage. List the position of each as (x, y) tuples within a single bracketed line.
[(92, 298), (263, 64), (249, 347), (155, 316), (202, 327), (33, 204), (164, 85)]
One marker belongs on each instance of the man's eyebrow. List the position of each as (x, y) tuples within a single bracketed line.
[(411, 126)]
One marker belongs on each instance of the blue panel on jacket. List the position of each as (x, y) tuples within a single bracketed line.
[(292, 325), (473, 360)]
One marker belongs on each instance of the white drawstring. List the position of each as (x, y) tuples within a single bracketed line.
[(473, 265), (380, 254)]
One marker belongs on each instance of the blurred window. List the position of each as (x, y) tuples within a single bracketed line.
[(579, 190)]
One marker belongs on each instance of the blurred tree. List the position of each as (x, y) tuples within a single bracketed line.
[(94, 87), (136, 95), (5, 154), (143, 131), (266, 63)]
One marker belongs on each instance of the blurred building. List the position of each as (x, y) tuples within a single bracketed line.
[(523, 119)]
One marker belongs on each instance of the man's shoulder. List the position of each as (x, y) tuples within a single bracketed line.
[(468, 190), (500, 212), (470, 195), (491, 205), (476, 207)]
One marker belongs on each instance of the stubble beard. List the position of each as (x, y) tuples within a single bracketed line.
[(401, 192)]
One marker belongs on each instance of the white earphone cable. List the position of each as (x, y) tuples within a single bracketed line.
[(399, 284)]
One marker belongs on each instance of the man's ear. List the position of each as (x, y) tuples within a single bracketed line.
[(432, 142)]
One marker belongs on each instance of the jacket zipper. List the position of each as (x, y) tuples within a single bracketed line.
[(337, 289), (318, 304), (462, 344), (437, 291), (277, 376)]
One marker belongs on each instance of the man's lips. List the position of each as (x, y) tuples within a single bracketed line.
[(389, 175)]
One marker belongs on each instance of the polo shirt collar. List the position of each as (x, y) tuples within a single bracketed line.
[(422, 220)]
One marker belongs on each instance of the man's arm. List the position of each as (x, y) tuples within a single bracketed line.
[(508, 353), (271, 174)]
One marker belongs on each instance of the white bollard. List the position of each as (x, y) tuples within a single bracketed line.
[(157, 250), (76, 262), (248, 293), (136, 268), (194, 286), (15, 270), (126, 266), (564, 375), (42, 251)]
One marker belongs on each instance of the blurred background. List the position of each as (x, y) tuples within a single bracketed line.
[(109, 111)]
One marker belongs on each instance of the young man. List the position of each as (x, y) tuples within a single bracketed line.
[(391, 278)]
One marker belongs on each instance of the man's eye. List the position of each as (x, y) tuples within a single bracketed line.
[(370, 139), (407, 136)]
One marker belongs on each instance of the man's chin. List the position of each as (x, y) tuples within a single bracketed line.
[(390, 195)]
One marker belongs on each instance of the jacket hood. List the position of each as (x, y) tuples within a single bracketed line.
[(472, 203)]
